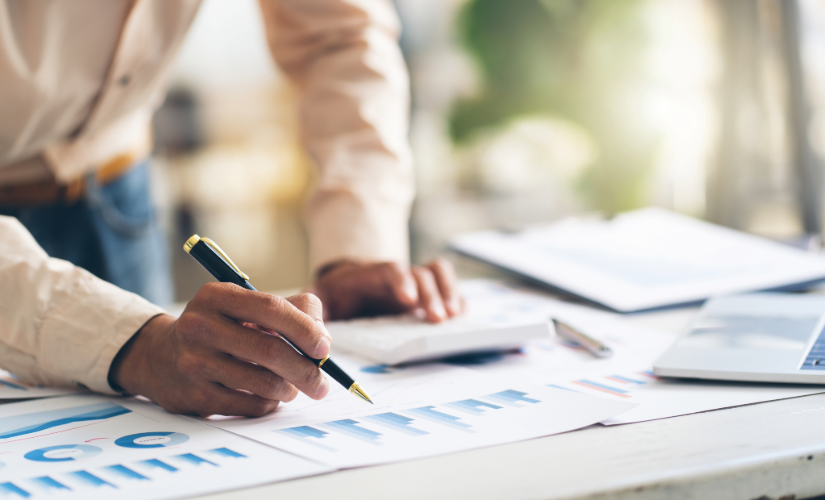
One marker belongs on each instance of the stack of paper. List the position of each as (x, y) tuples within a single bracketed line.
[(644, 259)]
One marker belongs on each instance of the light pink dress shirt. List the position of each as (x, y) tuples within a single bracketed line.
[(79, 80)]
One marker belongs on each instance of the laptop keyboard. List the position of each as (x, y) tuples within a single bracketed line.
[(816, 357)]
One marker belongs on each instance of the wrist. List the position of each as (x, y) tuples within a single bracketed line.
[(131, 369)]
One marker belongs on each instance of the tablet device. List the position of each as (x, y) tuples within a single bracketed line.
[(762, 337)]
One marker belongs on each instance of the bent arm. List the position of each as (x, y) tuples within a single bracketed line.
[(59, 324), (344, 57)]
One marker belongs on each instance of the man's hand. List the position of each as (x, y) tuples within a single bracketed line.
[(218, 358), (351, 289)]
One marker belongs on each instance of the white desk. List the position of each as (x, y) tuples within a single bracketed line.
[(769, 450)]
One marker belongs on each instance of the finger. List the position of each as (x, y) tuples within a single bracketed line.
[(270, 311), (447, 284), (268, 351), (236, 374), (308, 304), (400, 281), (218, 400), (429, 297)]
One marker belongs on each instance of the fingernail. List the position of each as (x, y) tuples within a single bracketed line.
[(439, 311), (410, 291), (323, 328), (322, 349), (323, 389), (455, 305)]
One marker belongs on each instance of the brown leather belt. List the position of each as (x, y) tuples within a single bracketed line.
[(50, 191)]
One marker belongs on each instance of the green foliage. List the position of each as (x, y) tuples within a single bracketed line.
[(579, 60)]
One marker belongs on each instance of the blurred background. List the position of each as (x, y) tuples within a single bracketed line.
[(523, 111)]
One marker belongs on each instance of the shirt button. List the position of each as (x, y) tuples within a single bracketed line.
[(124, 80)]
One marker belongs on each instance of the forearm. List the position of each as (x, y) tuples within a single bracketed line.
[(60, 325), (354, 98)]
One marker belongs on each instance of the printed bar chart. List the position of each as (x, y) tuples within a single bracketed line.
[(136, 450), (434, 411)]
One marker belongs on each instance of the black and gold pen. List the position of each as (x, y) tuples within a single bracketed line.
[(219, 265)]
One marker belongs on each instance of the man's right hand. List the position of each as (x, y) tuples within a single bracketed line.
[(217, 357)]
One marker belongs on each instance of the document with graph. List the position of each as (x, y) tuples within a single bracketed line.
[(626, 376), (90, 447), (12, 388), (421, 412), (644, 259)]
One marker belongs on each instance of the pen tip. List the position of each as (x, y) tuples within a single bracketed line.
[(358, 391)]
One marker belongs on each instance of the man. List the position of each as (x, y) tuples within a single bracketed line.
[(79, 80)]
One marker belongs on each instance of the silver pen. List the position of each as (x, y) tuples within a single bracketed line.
[(592, 345)]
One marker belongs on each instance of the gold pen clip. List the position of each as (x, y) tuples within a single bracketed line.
[(225, 257), (192, 241)]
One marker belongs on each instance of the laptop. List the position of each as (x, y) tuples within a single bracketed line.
[(760, 337)]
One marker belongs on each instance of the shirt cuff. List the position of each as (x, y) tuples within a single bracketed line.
[(82, 335), (348, 225)]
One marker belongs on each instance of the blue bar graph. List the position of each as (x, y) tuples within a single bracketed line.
[(307, 434), (472, 406), (9, 489), (428, 413), (512, 398), (125, 472), (396, 422), (194, 459), (157, 464), (89, 479), (226, 452), (48, 484), (350, 428), (305, 431)]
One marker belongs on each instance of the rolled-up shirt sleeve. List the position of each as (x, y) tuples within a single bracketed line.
[(344, 57), (59, 324)]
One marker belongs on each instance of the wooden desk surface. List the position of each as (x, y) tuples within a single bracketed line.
[(770, 450)]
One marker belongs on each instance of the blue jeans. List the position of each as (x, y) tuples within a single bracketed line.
[(112, 232)]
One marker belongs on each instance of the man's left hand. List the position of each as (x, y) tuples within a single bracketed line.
[(352, 289)]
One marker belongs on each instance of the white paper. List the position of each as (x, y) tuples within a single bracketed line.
[(644, 259), (626, 376), (420, 412), (96, 447), (11, 388)]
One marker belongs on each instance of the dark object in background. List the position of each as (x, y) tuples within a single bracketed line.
[(177, 123)]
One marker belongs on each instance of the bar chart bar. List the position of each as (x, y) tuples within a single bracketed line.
[(89, 479), (512, 398), (194, 459), (307, 434), (473, 406), (396, 422), (48, 484), (350, 428), (625, 380), (226, 452), (613, 391), (429, 413), (125, 472), (11, 490), (157, 464)]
